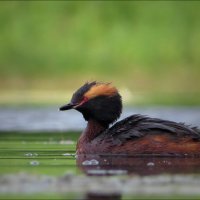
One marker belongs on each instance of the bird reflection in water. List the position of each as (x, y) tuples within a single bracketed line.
[(100, 196), (142, 165), (101, 165)]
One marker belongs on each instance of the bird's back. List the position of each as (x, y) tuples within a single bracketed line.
[(139, 134)]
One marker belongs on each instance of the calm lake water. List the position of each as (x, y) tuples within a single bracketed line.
[(50, 119), (38, 161)]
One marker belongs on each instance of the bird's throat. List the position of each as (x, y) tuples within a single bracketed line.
[(93, 129)]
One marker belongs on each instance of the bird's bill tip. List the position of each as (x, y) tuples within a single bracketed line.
[(67, 107)]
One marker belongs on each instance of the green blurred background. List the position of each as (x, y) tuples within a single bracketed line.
[(149, 50)]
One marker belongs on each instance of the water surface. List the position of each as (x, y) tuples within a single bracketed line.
[(44, 166), (50, 119), (41, 153), (37, 155)]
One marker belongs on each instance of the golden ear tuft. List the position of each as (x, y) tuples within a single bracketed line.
[(105, 89)]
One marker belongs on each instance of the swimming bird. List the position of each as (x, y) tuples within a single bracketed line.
[(101, 105)]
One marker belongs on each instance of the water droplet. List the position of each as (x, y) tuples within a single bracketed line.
[(90, 162), (94, 162), (75, 156), (67, 154), (86, 162), (31, 154), (28, 154), (167, 162), (34, 163), (150, 164)]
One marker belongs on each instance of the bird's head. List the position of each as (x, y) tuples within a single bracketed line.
[(98, 101)]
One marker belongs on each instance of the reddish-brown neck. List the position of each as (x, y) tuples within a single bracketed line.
[(93, 129)]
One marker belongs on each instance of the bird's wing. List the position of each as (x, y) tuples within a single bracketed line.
[(137, 126)]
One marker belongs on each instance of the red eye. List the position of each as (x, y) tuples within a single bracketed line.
[(85, 99)]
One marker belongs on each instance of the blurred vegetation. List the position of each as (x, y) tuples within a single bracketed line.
[(149, 50)]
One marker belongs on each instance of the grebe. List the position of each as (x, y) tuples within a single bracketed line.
[(101, 105)]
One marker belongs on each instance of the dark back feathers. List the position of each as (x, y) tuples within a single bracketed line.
[(137, 126)]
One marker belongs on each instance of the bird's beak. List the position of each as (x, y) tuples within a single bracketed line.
[(67, 107)]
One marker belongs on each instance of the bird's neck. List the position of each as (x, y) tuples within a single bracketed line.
[(93, 129)]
